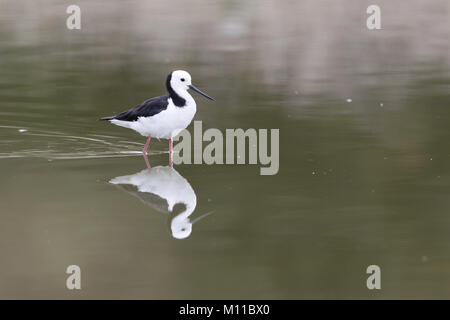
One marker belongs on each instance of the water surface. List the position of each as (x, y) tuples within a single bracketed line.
[(360, 183)]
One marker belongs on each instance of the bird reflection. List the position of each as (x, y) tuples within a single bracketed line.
[(165, 190)]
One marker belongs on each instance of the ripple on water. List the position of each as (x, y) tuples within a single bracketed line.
[(20, 142)]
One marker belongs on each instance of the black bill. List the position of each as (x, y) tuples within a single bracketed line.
[(198, 91)]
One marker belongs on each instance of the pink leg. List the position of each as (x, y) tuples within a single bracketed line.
[(146, 161), (170, 153), (144, 151)]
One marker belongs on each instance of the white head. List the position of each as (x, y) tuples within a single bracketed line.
[(181, 225), (179, 82)]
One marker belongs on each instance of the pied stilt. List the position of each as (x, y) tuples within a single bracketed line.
[(165, 116)]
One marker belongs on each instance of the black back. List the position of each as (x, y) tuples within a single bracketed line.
[(147, 108), (151, 106)]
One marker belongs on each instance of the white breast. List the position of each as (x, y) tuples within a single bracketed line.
[(164, 125)]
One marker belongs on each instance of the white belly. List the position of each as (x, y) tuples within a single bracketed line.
[(164, 125)]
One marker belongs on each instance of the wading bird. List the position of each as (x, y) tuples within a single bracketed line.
[(165, 116)]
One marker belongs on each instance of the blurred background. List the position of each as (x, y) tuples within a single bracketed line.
[(364, 149)]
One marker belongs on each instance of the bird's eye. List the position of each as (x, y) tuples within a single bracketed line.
[(182, 79)]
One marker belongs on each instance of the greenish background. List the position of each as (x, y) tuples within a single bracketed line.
[(360, 183)]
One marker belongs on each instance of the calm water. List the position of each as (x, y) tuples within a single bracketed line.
[(360, 183)]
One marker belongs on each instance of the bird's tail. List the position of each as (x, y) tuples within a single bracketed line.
[(107, 118)]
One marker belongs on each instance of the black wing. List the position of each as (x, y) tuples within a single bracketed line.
[(147, 108)]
